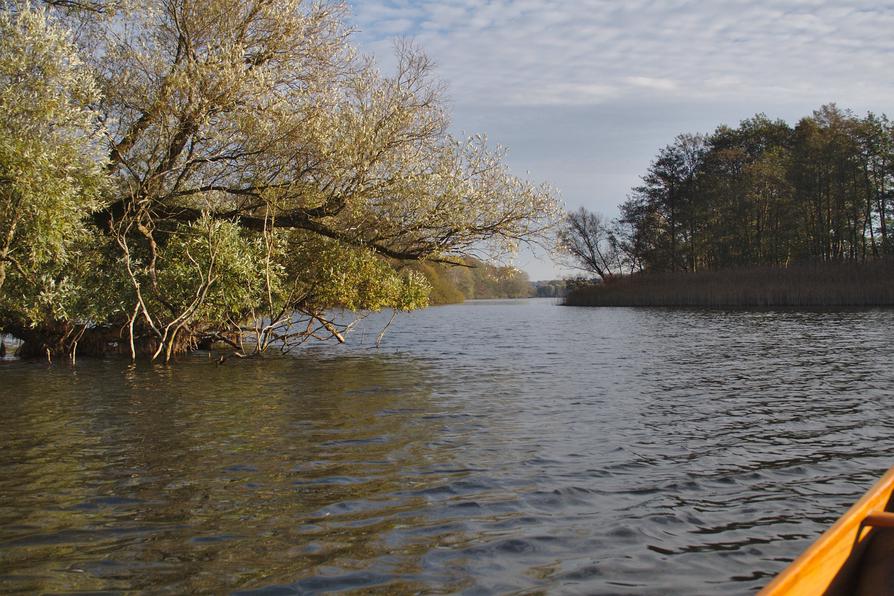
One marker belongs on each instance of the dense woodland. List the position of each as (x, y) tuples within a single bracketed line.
[(175, 174), (763, 193)]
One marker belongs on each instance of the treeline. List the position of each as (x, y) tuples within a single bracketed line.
[(553, 288), (763, 193), (476, 280)]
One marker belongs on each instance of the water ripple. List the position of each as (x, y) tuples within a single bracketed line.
[(493, 447)]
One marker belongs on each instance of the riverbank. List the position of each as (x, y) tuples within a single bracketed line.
[(804, 285)]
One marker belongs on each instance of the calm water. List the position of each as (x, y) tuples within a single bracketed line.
[(493, 447)]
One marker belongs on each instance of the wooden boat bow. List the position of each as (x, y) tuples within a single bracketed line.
[(840, 561)]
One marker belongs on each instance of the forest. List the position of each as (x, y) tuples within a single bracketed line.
[(762, 195), (179, 174)]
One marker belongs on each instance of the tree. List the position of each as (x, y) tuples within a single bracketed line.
[(262, 173), (591, 244), (876, 141), (742, 168), (671, 188), (51, 162)]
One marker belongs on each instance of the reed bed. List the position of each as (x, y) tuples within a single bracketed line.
[(869, 283)]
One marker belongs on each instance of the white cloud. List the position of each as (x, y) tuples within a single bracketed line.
[(657, 84), (554, 51)]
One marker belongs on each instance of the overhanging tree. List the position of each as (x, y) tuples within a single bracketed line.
[(261, 172)]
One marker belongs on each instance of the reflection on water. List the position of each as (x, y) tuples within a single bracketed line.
[(492, 446)]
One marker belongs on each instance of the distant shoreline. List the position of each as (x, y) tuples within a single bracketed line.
[(816, 285)]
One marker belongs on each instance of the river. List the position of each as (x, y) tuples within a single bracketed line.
[(489, 447)]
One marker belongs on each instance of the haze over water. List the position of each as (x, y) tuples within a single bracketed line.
[(497, 446)]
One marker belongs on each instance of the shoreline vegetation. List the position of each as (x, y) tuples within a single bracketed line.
[(765, 214), (809, 285), (473, 280), (477, 280)]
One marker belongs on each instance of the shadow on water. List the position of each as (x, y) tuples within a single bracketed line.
[(201, 477), (488, 447)]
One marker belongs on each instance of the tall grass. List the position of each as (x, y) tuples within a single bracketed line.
[(809, 285)]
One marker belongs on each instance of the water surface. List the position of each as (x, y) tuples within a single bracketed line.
[(491, 447)]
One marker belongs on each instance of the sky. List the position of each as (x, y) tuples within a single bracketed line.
[(584, 93)]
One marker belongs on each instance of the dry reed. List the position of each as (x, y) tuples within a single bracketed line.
[(803, 285)]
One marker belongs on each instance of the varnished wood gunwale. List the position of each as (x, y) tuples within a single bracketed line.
[(817, 568)]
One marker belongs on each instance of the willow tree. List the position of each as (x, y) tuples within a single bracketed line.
[(51, 158), (261, 172)]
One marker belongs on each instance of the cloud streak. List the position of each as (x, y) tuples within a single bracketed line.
[(530, 52)]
